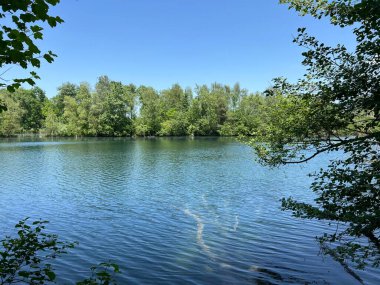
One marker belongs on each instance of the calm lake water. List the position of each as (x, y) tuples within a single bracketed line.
[(168, 211)]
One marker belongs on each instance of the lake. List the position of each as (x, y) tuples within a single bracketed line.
[(168, 210)]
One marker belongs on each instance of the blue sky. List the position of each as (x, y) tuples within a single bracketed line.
[(161, 42)]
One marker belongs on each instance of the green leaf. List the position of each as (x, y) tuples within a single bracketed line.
[(48, 58), (51, 275), (25, 274), (35, 62)]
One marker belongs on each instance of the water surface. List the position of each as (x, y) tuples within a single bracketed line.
[(168, 211)]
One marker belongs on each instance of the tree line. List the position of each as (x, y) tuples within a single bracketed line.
[(115, 109)]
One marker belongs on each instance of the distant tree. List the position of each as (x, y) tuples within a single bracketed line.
[(130, 97), (117, 110), (236, 94), (32, 102), (65, 90), (150, 113), (103, 86), (70, 117), (174, 104), (85, 100), (174, 98), (21, 28), (200, 122), (10, 119), (52, 125), (336, 107), (208, 111), (98, 116), (247, 116)]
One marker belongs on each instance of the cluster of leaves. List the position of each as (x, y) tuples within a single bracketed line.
[(101, 274), (27, 257), (336, 108), (115, 109), (18, 36)]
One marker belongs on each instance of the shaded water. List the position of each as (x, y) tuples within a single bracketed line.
[(168, 211)]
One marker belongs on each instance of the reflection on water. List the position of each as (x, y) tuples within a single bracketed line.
[(200, 240), (168, 211)]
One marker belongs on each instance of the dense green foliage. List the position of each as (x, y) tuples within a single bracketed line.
[(335, 108), (115, 109), (27, 258), (21, 28)]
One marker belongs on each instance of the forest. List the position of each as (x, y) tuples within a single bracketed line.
[(115, 109)]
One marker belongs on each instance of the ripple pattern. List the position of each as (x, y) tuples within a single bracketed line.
[(168, 211)]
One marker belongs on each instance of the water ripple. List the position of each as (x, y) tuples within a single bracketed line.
[(168, 211)]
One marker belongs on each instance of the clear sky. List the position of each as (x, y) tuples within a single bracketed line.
[(161, 42)]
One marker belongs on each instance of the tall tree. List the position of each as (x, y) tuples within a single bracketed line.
[(130, 97), (149, 122), (71, 117), (10, 120), (52, 125), (209, 109), (32, 102), (117, 110), (84, 99), (336, 107), (247, 116), (97, 113), (174, 105), (66, 89)]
